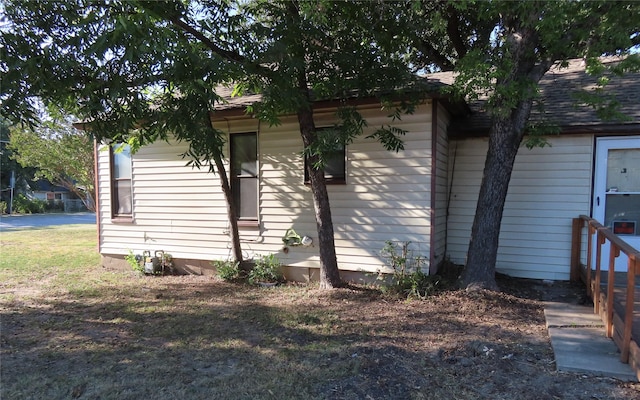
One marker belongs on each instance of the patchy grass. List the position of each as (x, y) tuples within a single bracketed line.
[(60, 254), (71, 329)]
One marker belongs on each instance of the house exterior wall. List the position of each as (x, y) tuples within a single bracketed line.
[(548, 188), (441, 187), (173, 206), (182, 210)]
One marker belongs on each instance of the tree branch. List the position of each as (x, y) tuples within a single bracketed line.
[(435, 56), (453, 30), (226, 54)]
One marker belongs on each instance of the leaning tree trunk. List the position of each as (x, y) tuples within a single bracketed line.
[(231, 209), (479, 271), (329, 273), (507, 131)]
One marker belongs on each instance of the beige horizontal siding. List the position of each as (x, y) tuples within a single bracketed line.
[(441, 188), (549, 187), (181, 210), (174, 207)]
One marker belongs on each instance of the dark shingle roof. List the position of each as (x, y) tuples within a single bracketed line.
[(237, 102), (428, 86), (557, 90)]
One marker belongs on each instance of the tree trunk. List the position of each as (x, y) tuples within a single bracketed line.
[(86, 196), (231, 209), (329, 273), (479, 271), (507, 131)]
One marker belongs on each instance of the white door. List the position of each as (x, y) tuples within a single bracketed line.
[(616, 200)]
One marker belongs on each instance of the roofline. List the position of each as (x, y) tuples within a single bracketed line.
[(601, 130), (459, 108)]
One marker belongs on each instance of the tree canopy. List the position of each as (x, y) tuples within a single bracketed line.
[(501, 49), (141, 70), (59, 153)]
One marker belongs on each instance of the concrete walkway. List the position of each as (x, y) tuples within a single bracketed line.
[(579, 342)]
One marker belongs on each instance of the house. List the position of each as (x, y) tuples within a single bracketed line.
[(57, 197), (425, 195)]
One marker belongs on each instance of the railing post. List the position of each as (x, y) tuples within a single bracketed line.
[(590, 231), (576, 231), (596, 300), (632, 269), (614, 252)]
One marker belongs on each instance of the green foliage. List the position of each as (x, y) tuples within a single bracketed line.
[(135, 260), (3, 207), (59, 153), (167, 266), (537, 134), (407, 280), (24, 205), (8, 165), (228, 270), (149, 69), (266, 270)]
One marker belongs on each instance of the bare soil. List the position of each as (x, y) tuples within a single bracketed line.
[(196, 337)]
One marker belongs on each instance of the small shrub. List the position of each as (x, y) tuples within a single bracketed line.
[(166, 264), (24, 205), (55, 205), (228, 270), (3, 207), (266, 269), (407, 279), (135, 260)]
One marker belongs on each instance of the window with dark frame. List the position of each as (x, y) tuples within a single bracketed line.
[(244, 175), (334, 167), (121, 190)]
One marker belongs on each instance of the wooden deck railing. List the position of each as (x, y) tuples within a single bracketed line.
[(591, 275)]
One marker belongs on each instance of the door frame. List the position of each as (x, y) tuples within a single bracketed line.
[(599, 190)]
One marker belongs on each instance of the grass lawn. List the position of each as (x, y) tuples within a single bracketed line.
[(72, 330)]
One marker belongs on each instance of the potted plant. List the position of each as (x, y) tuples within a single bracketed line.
[(266, 271)]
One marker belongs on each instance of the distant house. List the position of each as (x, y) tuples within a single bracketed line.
[(57, 197), (425, 194), (45, 190)]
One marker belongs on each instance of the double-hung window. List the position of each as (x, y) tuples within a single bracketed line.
[(244, 176), (335, 163), (121, 190)]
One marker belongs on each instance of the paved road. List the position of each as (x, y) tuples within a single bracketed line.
[(39, 220)]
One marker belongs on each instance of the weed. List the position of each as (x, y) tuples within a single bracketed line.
[(407, 279), (266, 269), (135, 260), (228, 270)]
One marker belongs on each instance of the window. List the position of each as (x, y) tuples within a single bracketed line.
[(121, 198), (244, 175), (334, 167)]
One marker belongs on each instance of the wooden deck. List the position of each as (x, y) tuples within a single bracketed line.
[(619, 310), (615, 295)]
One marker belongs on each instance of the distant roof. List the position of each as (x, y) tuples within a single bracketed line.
[(557, 88), (43, 185)]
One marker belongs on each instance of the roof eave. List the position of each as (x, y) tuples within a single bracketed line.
[(600, 130)]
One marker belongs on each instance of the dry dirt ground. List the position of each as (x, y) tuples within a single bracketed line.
[(196, 337)]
